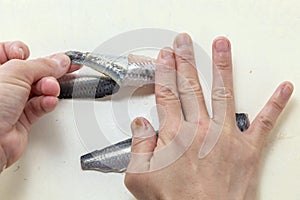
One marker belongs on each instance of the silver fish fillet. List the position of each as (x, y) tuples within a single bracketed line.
[(115, 158)]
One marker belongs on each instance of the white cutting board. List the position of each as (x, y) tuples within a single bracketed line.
[(265, 43)]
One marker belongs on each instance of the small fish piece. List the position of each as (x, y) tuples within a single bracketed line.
[(86, 86), (125, 71), (242, 121), (115, 158)]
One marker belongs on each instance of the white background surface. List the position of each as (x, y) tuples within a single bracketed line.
[(265, 41)]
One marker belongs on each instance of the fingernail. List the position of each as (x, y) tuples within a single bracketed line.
[(287, 90), (222, 45), (19, 51), (22, 53), (182, 40), (139, 128), (61, 59), (166, 53)]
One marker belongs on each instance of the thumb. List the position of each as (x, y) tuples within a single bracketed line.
[(142, 147), (32, 70)]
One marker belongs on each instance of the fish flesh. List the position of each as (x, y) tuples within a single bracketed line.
[(115, 158), (132, 70)]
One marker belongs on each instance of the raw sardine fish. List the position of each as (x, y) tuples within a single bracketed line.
[(115, 158)]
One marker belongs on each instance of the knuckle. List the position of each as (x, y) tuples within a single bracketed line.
[(222, 93), (185, 59), (277, 105), (199, 93), (165, 92), (189, 85), (223, 65), (16, 63), (17, 67), (265, 123), (165, 67)]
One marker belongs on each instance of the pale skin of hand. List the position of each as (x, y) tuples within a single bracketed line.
[(28, 90), (230, 170)]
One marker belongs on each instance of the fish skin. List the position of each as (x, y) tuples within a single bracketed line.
[(125, 71), (115, 158), (242, 121), (86, 86)]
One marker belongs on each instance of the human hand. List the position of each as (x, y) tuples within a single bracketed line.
[(195, 156), (28, 90)]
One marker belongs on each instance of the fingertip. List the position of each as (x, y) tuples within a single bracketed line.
[(165, 63), (221, 38), (287, 89), (49, 103), (166, 53), (50, 86), (19, 50), (182, 39), (221, 44), (137, 123), (61, 59), (141, 128), (46, 86), (74, 67)]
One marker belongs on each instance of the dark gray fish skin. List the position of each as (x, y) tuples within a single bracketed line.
[(77, 57), (86, 87), (242, 121), (115, 158)]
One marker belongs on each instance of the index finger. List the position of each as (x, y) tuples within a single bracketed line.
[(168, 103), (13, 50)]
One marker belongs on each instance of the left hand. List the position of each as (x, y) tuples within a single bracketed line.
[(195, 156), (28, 90)]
